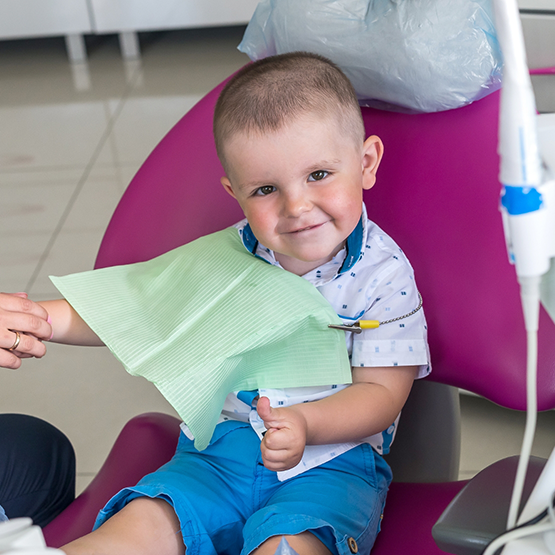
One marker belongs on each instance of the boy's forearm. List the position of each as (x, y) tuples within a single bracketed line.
[(361, 410), (67, 326)]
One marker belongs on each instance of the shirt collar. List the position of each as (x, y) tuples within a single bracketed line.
[(341, 263)]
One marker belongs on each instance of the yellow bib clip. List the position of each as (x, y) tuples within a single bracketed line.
[(357, 327)]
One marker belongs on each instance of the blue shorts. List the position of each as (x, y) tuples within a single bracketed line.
[(228, 503)]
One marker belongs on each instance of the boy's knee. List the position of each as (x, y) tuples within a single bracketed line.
[(150, 510), (143, 526), (150, 517), (304, 544)]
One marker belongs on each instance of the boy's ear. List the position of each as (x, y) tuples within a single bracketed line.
[(227, 186), (372, 152)]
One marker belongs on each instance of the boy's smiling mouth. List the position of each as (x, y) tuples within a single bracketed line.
[(306, 228)]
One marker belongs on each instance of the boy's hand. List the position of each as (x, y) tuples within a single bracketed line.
[(283, 444), (18, 313)]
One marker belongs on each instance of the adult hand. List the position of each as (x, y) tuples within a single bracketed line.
[(23, 326), (283, 444)]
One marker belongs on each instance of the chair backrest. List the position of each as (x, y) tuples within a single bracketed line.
[(437, 195)]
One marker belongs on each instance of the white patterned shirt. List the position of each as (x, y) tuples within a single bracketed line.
[(370, 279)]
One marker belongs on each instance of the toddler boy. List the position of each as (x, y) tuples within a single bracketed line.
[(303, 463)]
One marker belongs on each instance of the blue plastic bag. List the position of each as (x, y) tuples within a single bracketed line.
[(407, 55)]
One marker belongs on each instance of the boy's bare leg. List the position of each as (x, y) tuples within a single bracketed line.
[(304, 544), (143, 527)]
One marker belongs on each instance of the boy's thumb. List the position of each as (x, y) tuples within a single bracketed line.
[(265, 411)]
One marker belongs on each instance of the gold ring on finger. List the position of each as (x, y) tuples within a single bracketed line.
[(16, 342)]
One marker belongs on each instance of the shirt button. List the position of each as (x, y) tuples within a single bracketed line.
[(352, 545)]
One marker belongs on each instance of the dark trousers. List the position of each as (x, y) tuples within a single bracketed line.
[(37, 468)]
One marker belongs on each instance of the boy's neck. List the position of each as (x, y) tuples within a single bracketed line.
[(302, 267)]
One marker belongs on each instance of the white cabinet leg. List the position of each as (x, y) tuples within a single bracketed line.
[(129, 45), (76, 49)]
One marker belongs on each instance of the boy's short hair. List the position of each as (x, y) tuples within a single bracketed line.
[(267, 94)]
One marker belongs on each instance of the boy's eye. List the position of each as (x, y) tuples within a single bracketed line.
[(317, 175), (266, 190)]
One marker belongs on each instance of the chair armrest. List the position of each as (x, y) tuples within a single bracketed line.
[(479, 512)]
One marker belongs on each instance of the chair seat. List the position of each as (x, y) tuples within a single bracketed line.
[(149, 440), (410, 513)]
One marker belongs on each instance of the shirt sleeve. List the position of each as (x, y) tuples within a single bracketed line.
[(402, 342)]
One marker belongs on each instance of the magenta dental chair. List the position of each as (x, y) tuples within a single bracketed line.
[(437, 195)]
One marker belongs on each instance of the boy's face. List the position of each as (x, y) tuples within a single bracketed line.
[(301, 187)]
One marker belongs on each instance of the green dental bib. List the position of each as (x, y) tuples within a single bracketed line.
[(209, 318)]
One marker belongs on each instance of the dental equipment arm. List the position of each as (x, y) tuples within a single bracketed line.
[(524, 205)]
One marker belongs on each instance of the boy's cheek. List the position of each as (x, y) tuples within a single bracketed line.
[(261, 220)]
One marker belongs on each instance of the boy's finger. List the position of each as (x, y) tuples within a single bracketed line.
[(276, 441), (269, 415), (273, 457)]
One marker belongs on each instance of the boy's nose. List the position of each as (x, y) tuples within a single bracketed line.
[(296, 204)]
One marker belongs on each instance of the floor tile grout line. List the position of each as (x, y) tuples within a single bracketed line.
[(82, 180)]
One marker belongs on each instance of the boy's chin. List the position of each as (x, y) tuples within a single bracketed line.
[(301, 264)]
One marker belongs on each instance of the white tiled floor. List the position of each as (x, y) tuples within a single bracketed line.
[(71, 138)]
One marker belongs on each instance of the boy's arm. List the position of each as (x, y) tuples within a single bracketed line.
[(67, 326), (367, 407)]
